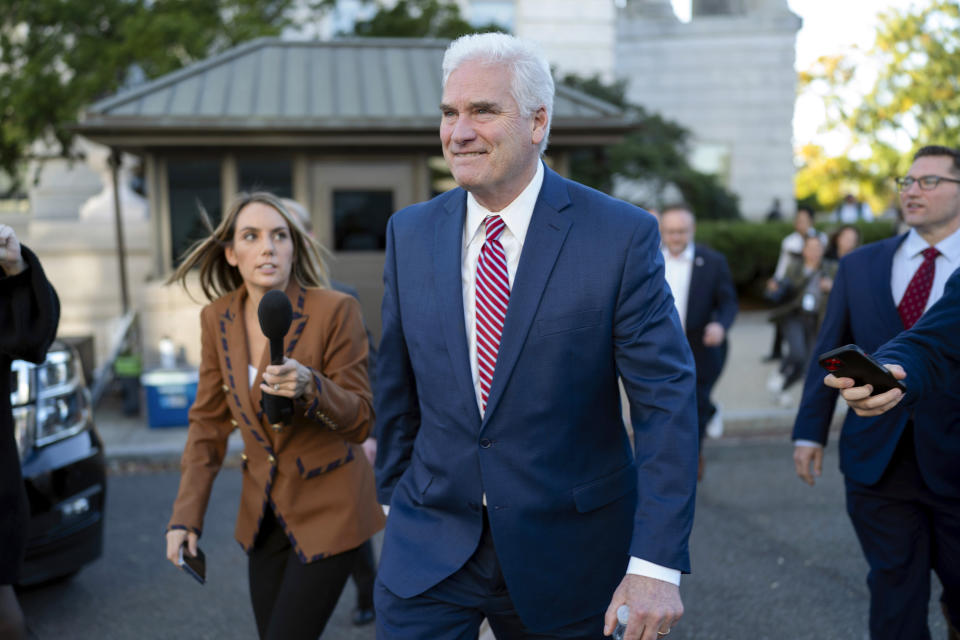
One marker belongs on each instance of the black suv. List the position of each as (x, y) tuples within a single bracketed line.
[(63, 464)]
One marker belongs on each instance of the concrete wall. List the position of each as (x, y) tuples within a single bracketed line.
[(731, 81)]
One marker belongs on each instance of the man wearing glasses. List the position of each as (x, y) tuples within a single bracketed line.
[(900, 468)]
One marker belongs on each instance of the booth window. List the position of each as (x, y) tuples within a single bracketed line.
[(194, 185), (360, 219), (266, 174)]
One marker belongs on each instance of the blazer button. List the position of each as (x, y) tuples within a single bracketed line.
[(243, 457), (225, 388), (233, 422), (277, 428), (271, 459), (486, 444)]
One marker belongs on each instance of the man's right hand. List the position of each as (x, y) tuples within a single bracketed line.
[(859, 398), (175, 540), (808, 462)]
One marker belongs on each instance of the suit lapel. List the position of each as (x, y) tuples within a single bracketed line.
[(447, 269), (233, 345), (545, 236), (882, 294), (697, 292)]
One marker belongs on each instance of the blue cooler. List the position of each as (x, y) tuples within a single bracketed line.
[(170, 393)]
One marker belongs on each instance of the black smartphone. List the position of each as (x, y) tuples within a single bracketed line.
[(851, 361), (195, 566)]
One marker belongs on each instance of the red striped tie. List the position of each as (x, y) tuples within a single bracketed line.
[(493, 294), (915, 298)]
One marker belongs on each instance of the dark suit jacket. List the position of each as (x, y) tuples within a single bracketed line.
[(930, 351), (29, 314), (313, 473), (861, 310), (712, 298), (567, 502)]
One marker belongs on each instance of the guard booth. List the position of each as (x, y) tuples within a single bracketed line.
[(348, 127)]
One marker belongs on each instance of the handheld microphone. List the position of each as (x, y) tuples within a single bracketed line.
[(275, 315)]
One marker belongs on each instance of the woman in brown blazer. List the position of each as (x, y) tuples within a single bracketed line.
[(308, 498)]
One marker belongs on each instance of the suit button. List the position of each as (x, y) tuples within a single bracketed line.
[(486, 444), (233, 422), (225, 388), (271, 459), (243, 457), (277, 428)]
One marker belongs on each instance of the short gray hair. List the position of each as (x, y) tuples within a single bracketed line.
[(531, 83)]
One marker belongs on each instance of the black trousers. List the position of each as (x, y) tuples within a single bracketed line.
[(800, 333), (364, 574), (905, 531), (292, 600)]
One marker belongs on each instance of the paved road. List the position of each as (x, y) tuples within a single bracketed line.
[(773, 559)]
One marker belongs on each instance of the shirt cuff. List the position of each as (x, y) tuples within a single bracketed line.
[(807, 443), (648, 569), (386, 509)]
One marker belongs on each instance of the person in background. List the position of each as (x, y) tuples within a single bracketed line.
[(900, 468), (804, 291), (706, 300), (29, 315), (791, 249), (308, 498), (775, 215), (842, 241), (511, 305), (365, 570), (851, 210)]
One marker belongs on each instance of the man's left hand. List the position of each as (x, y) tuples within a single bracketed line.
[(655, 606), (713, 334)]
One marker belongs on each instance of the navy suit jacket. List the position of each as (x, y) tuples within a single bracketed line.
[(930, 351), (567, 501), (712, 298), (861, 310)]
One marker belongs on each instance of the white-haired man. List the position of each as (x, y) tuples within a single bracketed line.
[(511, 306)]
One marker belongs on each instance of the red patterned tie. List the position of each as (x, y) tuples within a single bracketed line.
[(493, 294), (918, 291)]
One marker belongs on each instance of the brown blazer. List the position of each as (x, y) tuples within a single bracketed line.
[(313, 472)]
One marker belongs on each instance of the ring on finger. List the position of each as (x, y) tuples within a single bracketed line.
[(276, 386), (663, 633)]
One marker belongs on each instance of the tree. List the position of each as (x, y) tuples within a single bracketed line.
[(654, 153), (419, 19), (914, 101), (57, 56)]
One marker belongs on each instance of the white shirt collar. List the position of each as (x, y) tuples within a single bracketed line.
[(516, 215), (686, 254), (949, 247)]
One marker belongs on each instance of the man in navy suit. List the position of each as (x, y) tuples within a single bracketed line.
[(706, 300), (900, 468), (512, 305)]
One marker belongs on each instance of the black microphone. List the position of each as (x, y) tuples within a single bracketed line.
[(275, 315)]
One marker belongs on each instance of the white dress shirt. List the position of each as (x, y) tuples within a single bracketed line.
[(516, 216), (906, 260), (678, 270)]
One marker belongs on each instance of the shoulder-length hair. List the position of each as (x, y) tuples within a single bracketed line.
[(218, 277)]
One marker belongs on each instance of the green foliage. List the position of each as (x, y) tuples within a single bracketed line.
[(419, 19), (57, 56), (752, 248), (655, 152), (914, 101)]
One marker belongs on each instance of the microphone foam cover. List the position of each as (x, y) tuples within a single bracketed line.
[(275, 314)]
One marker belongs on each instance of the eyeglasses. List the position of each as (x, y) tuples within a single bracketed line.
[(927, 183)]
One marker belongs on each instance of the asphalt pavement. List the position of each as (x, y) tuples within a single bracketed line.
[(772, 558)]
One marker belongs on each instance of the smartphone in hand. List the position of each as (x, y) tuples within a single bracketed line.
[(851, 361), (195, 566)]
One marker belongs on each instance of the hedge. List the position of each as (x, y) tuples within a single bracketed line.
[(752, 248)]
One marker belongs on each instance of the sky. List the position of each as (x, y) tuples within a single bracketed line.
[(829, 27)]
